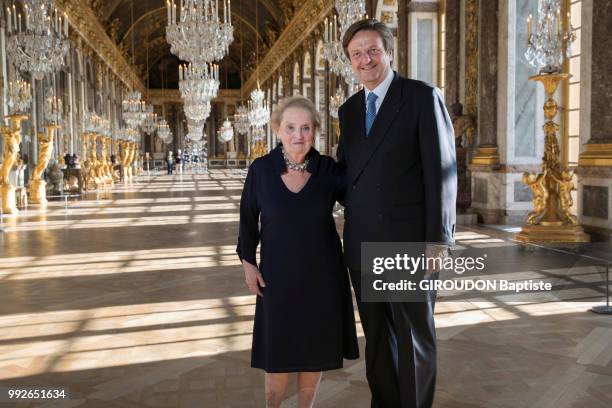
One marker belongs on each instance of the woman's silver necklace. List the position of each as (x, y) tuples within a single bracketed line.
[(301, 167)]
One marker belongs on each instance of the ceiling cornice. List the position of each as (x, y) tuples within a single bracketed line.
[(83, 20)]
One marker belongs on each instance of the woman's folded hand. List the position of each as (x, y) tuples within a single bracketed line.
[(253, 278)]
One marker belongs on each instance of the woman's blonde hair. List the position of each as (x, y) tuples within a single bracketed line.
[(295, 102)]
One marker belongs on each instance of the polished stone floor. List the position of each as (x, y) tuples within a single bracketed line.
[(135, 298)]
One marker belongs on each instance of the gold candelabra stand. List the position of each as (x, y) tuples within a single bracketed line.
[(551, 220), (95, 170), (87, 163), (38, 186), (12, 139), (124, 159), (105, 160), (116, 176), (131, 155)]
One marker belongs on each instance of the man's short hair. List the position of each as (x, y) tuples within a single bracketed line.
[(370, 24)]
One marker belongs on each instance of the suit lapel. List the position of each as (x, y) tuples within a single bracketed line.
[(389, 109)]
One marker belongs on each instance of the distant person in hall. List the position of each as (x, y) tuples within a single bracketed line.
[(169, 162), (304, 319), (398, 149), (179, 162)]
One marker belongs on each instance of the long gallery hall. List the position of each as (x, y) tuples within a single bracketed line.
[(234, 203), (136, 298)]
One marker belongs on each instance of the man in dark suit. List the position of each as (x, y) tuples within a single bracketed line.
[(398, 149)]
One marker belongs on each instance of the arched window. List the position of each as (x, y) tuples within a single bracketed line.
[(296, 78)]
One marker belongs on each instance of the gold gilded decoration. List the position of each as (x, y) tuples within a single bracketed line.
[(551, 219), (464, 127), (87, 164), (596, 155), (124, 159), (94, 169), (116, 175), (103, 168), (305, 20), (259, 149), (83, 19), (486, 156), (132, 154), (12, 138), (37, 188), (387, 17), (471, 57)]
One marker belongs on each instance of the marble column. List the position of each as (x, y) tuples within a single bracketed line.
[(487, 153), (491, 181), (598, 149), (403, 61), (452, 61), (595, 162)]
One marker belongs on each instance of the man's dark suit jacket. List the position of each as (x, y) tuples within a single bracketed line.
[(401, 181)]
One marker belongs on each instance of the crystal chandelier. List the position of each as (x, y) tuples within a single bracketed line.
[(19, 96), (226, 131), (198, 111), (196, 32), (241, 120), (133, 108), (258, 113), (195, 128), (37, 38), (199, 82), (149, 124), (348, 11), (258, 134), (53, 108), (104, 127), (163, 131), (335, 102), (547, 46), (131, 135)]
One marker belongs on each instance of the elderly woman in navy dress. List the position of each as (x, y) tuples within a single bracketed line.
[(304, 321)]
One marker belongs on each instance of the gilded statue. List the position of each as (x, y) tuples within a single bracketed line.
[(463, 125), (566, 186), (12, 139), (45, 152), (537, 183)]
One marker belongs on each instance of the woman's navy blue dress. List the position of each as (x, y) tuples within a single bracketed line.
[(305, 320)]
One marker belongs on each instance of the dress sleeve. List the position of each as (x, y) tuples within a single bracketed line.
[(248, 236), (340, 167)]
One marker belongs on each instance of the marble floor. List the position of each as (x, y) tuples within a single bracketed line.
[(135, 298)]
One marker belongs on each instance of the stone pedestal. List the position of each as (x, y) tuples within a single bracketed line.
[(9, 201), (38, 192), (498, 194)]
